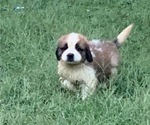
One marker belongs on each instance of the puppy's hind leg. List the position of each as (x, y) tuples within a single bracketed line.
[(67, 84), (88, 88)]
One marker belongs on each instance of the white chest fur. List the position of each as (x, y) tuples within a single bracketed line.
[(79, 72)]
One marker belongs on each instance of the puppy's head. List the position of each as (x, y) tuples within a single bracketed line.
[(73, 49)]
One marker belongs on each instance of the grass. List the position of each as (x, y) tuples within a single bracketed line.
[(30, 92)]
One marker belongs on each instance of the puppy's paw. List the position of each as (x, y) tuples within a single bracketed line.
[(67, 84)]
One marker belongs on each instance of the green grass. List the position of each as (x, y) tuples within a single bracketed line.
[(30, 93)]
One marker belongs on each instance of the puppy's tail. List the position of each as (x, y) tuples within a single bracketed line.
[(123, 35)]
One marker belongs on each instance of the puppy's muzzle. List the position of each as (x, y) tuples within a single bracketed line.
[(70, 57)]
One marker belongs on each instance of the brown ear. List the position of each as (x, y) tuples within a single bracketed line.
[(58, 53), (89, 57)]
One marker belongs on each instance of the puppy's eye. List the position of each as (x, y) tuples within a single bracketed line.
[(64, 47), (79, 48)]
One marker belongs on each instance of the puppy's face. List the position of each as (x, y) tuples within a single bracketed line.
[(73, 49)]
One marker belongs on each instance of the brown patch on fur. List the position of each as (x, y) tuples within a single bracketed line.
[(83, 43), (106, 58), (81, 49), (62, 41), (82, 39)]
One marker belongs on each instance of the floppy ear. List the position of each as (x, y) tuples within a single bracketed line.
[(88, 54), (58, 53)]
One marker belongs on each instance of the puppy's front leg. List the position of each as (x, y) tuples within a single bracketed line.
[(67, 84), (88, 88)]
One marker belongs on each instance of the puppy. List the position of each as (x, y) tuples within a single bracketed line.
[(87, 62)]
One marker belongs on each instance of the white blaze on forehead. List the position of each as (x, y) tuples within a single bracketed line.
[(72, 39)]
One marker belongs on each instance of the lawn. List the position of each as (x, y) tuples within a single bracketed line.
[(30, 93)]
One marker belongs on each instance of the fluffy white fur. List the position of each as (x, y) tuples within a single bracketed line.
[(82, 73)]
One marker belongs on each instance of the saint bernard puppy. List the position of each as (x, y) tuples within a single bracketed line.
[(85, 62)]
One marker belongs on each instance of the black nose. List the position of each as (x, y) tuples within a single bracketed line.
[(70, 57)]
